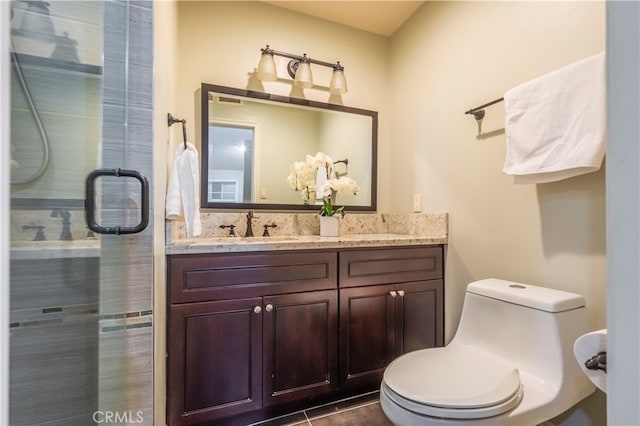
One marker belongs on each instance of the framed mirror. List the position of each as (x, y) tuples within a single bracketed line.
[(250, 140)]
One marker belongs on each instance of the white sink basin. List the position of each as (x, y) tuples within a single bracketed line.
[(275, 239)]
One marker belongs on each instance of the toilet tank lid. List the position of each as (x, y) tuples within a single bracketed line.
[(541, 298)]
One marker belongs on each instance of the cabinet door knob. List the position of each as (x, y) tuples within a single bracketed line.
[(257, 309), (269, 307), (393, 293), (401, 293)]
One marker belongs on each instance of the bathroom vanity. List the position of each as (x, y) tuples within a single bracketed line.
[(262, 328)]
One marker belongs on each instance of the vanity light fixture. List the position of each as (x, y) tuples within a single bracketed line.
[(299, 68), (303, 77), (267, 66)]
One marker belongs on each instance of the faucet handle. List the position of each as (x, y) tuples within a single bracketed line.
[(266, 229), (232, 232), (39, 234)]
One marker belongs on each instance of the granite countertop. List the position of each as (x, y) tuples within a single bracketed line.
[(301, 232), (296, 242)]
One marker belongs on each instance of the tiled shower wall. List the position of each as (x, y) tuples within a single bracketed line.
[(67, 97), (81, 327), (126, 296)]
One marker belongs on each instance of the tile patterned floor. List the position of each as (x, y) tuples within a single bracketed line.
[(360, 410)]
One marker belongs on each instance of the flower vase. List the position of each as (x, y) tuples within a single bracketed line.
[(329, 226)]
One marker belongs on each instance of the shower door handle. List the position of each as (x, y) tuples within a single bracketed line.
[(90, 202)]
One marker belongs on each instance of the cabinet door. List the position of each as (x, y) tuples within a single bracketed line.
[(215, 360), (300, 346), (419, 317), (367, 335)]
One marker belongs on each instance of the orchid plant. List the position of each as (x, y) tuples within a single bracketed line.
[(341, 185), (302, 176), (315, 177)]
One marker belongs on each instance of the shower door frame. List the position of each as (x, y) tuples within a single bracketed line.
[(138, 112), (5, 125)]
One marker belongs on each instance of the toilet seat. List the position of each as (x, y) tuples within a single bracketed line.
[(457, 382)]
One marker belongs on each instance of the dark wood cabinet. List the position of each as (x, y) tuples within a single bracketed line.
[(251, 333), (200, 277), (419, 316), (367, 335), (264, 335), (381, 316), (215, 360), (300, 346)]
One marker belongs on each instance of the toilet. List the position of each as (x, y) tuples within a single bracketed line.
[(511, 362)]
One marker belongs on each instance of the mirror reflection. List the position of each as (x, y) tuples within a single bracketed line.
[(251, 140)]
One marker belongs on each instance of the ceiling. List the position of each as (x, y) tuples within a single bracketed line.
[(378, 17)]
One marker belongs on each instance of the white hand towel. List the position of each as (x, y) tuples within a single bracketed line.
[(556, 124), (183, 192)]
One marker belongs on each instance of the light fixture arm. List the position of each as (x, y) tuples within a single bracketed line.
[(300, 71), (297, 59)]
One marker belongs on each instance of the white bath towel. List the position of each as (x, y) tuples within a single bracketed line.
[(556, 124), (183, 191)]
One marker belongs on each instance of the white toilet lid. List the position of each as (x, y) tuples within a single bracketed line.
[(454, 382)]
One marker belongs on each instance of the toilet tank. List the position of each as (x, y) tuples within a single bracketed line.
[(532, 326)]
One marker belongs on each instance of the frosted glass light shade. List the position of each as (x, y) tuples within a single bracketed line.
[(267, 68), (303, 78), (338, 84)]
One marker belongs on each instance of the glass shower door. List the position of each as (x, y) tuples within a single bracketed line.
[(80, 301)]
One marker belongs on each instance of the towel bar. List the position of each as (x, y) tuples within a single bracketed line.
[(478, 112), (171, 120)]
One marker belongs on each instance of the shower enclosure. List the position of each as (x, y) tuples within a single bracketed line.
[(81, 315)]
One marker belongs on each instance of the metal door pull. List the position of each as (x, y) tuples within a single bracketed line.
[(90, 202)]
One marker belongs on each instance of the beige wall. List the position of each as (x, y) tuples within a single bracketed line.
[(166, 139), (453, 56), (449, 57), (219, 43)]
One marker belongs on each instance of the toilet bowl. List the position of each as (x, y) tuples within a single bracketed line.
[(510, 362)]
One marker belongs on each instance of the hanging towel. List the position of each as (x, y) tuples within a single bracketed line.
[(555, 125), (183, 192)]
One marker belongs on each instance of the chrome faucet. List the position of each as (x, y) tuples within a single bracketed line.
[(65, 234), (250, 217)]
